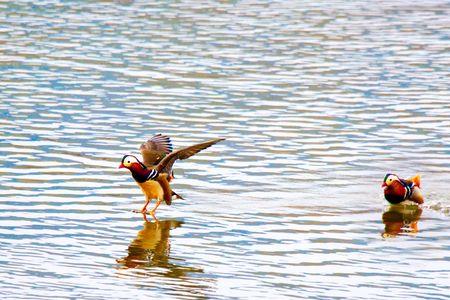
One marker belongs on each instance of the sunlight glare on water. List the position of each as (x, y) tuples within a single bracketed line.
[(317, 100)]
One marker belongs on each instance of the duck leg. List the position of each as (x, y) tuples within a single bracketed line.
[(144, 209), (152, 212)]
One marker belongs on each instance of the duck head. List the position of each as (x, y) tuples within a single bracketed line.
[(138, 170), (389, 179), (131, 163)]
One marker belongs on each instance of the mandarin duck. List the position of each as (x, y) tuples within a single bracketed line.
[(397, 190), (155, 172)]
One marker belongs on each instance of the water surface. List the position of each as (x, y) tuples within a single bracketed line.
[(317, 101)]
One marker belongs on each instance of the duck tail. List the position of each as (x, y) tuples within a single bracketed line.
[(177, 196), (416, 180)]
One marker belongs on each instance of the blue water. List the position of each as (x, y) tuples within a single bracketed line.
[(316, 100)]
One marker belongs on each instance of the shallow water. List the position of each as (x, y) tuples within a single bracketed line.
[(317, 102)]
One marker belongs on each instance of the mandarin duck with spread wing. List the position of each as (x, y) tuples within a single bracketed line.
[(397, 190), (154, 173)]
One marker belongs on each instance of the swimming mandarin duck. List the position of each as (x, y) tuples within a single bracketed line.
[(397, 190), (155, 172)]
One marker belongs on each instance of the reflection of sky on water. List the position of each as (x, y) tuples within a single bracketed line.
[(317, 102)]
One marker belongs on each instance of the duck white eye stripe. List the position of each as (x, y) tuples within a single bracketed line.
[(153, 174)]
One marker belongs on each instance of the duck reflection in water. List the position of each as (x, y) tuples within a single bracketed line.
[(151, 248), (401, 220)]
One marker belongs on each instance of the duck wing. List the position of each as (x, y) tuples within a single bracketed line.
[(155, 149), (415, 179), (165, 165)]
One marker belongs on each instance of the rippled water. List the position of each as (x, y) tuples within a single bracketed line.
[(317, 100)]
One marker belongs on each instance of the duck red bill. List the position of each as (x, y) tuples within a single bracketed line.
[(121, 166)]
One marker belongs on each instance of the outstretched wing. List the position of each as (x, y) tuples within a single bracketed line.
[(165, 166), (155, 149)]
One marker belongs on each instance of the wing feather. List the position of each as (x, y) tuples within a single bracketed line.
[(155, 149), (165, 165), (415, 179)]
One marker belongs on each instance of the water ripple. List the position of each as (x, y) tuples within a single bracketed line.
[(317, 101)]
